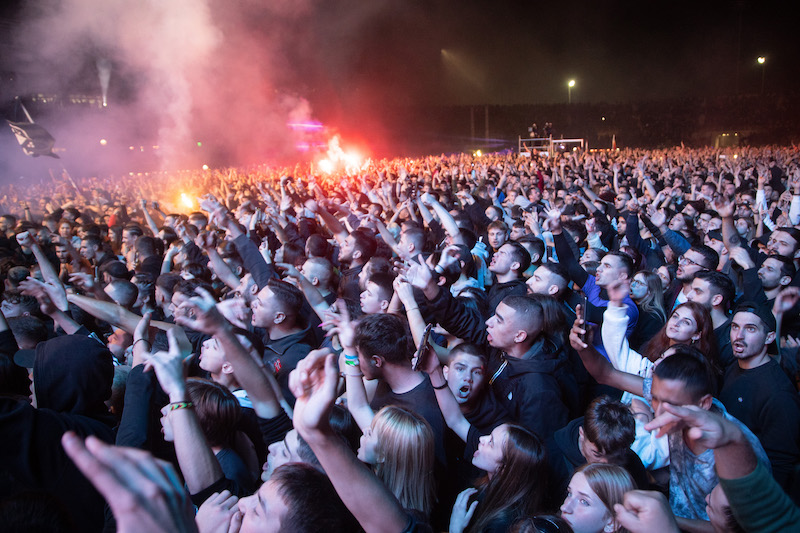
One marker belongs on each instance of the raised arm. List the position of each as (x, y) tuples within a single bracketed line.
[(314, 383), (250, 372), (208, 242), (25, 239), (198, 464), (599, 367)]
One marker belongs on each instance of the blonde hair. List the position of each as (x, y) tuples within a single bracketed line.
[(610, 483), (405, 453)]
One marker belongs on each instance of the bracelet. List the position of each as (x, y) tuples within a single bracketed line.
[(140, 340), (352, 363), (351, 375), (412, 309), (180, 405), (440, 387)]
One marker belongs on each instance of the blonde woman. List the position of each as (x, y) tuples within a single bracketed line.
[(592, 493), (399, 447)]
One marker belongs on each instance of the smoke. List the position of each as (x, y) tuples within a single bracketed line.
[(206, 81)]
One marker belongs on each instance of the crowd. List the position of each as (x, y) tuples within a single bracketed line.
[(587, 342)]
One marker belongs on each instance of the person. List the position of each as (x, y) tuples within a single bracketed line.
[(377, 348), (593, 493), (696, 259), (508, 264), (399, 447), (758, 393), (71, 380), (614, 266), (511, 456), (683, 379), (647, 292), (276, 309), (604, 435), (716, 292), (531, 378), (754, 497)]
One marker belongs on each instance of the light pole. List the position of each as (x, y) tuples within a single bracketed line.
[(570, 85), (763, 62)]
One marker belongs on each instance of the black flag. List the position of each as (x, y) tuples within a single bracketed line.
[(34, 139)]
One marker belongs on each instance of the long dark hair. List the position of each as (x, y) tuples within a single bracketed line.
[(707, 343), (518, 487)]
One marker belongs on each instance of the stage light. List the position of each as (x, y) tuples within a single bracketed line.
[(205, 167), (326, 166), (103, 142)]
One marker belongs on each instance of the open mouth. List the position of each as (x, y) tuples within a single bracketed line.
[(463, 392)]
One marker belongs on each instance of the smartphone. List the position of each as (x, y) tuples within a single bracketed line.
[(424, 343), (582, 316)]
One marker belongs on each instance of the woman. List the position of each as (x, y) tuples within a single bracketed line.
[(399, 447), (689, 323), (647, 292), (514, 487), (591, 496)]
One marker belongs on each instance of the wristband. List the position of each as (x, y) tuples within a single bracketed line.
[(140, 340), (440, 387), (180, 405)]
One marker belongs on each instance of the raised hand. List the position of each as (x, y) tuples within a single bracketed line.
[(337, 322), (644, 512), (577, 331), (724, 207), (25, 239), (200, 313), (786, 300), (206, 240), (82, 280), (144, 493), (618, 290), (314, 383)]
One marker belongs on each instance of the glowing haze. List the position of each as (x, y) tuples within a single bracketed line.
[(187, 70)]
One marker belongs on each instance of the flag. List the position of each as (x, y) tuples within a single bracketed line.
[(34, 139), (614, 142)]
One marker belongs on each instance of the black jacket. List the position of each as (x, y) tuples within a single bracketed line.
[(536, 389), (72, 376)]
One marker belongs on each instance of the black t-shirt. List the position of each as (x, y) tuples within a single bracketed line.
[(421, 400)]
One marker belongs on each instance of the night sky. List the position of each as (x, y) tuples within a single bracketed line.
[(250, 64)]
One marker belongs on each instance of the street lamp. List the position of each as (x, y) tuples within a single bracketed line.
[(570, 85), (763, 62)]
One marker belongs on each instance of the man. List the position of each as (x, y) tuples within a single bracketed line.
[(697, 258), (716, 292), (684, 379), (356, 250), (411, 243), (508, 264), (276, 309), (92, 251), (497, 234), (614, 266), (757, 391), (763, 285), (378, 294), (382, 347), (603, 435), (530, 375)]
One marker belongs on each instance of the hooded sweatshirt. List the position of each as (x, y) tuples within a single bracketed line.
[(72, 379)]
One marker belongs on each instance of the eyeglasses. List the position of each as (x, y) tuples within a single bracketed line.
[(683, 259), (636, 282)]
